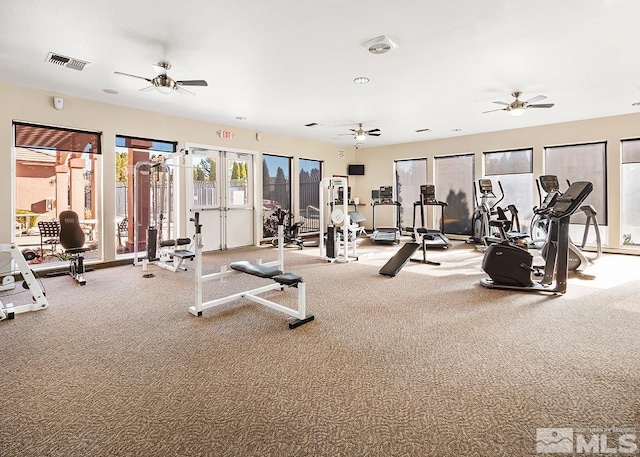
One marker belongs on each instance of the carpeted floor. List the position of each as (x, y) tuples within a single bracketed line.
[(428, 363)]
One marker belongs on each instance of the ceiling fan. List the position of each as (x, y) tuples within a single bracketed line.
[(517, 107), (360, 134), (163, 83)]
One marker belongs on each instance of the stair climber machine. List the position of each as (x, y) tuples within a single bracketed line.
[(510, 266), (578, 261)]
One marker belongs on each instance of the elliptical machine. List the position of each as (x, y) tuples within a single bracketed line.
[(510, 267), (540, 223), (482, 213), (291, 229)]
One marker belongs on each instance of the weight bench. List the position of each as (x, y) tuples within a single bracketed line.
[(280, 280), (271, 270), (172, 257)]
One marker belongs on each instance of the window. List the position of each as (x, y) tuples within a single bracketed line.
[(410, 175), (583, 162), (276, 191), (454, 185), (56, 170), (514, 171), (129, 152), (309, 177), (630, 194), (205, 182)]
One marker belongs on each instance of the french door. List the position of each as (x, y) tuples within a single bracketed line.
[(221, 190)]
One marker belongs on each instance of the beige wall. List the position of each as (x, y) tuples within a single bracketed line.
[(36, 106), (379, 161)]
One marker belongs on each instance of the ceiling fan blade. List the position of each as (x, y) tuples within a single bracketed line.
[(536, 99), (502, 103), (192, 82), (133, 76), (492, 110), (541, 105), (182, 90), (373, 134), (372, 131), (148, 88)]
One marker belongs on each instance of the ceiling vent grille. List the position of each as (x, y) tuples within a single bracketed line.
[(379, 45), (64, 61)]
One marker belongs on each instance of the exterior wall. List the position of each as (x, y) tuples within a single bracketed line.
[(35, 106), (379, 161), (29, 105)]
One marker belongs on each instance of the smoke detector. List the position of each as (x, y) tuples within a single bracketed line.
[(379, 45), (64, 61)]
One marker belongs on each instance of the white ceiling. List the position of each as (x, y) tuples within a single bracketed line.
[(285, 63)]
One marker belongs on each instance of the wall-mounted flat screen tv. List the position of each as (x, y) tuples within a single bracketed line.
[(355, 169)]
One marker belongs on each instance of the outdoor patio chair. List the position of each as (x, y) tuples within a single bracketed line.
[(123, 231), (49, 235)]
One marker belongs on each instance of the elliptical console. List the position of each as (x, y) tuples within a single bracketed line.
[(509, 266)]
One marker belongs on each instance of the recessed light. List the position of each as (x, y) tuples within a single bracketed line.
[(361, 80), (456, 130), (241, 118), (110, 91), (422, 130), (312, 124)]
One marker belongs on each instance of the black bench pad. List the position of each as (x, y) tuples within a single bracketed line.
[(262, 271), (178, 242), (287, 279)]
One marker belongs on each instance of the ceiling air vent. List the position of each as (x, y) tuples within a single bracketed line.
[(379, 45), (64, 61)]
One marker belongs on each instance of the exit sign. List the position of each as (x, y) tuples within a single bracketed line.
[(225, 134)]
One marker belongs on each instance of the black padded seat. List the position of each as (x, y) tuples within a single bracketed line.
[(76, 250), (262, 271), (287, 279), (183, 254)]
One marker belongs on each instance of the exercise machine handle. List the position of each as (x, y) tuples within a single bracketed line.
[(196, 222)]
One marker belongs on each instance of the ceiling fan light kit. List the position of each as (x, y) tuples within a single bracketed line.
[(164, 84), (517, 111)]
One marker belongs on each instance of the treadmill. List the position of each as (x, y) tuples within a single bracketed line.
[(429, 237), (388, 234)]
